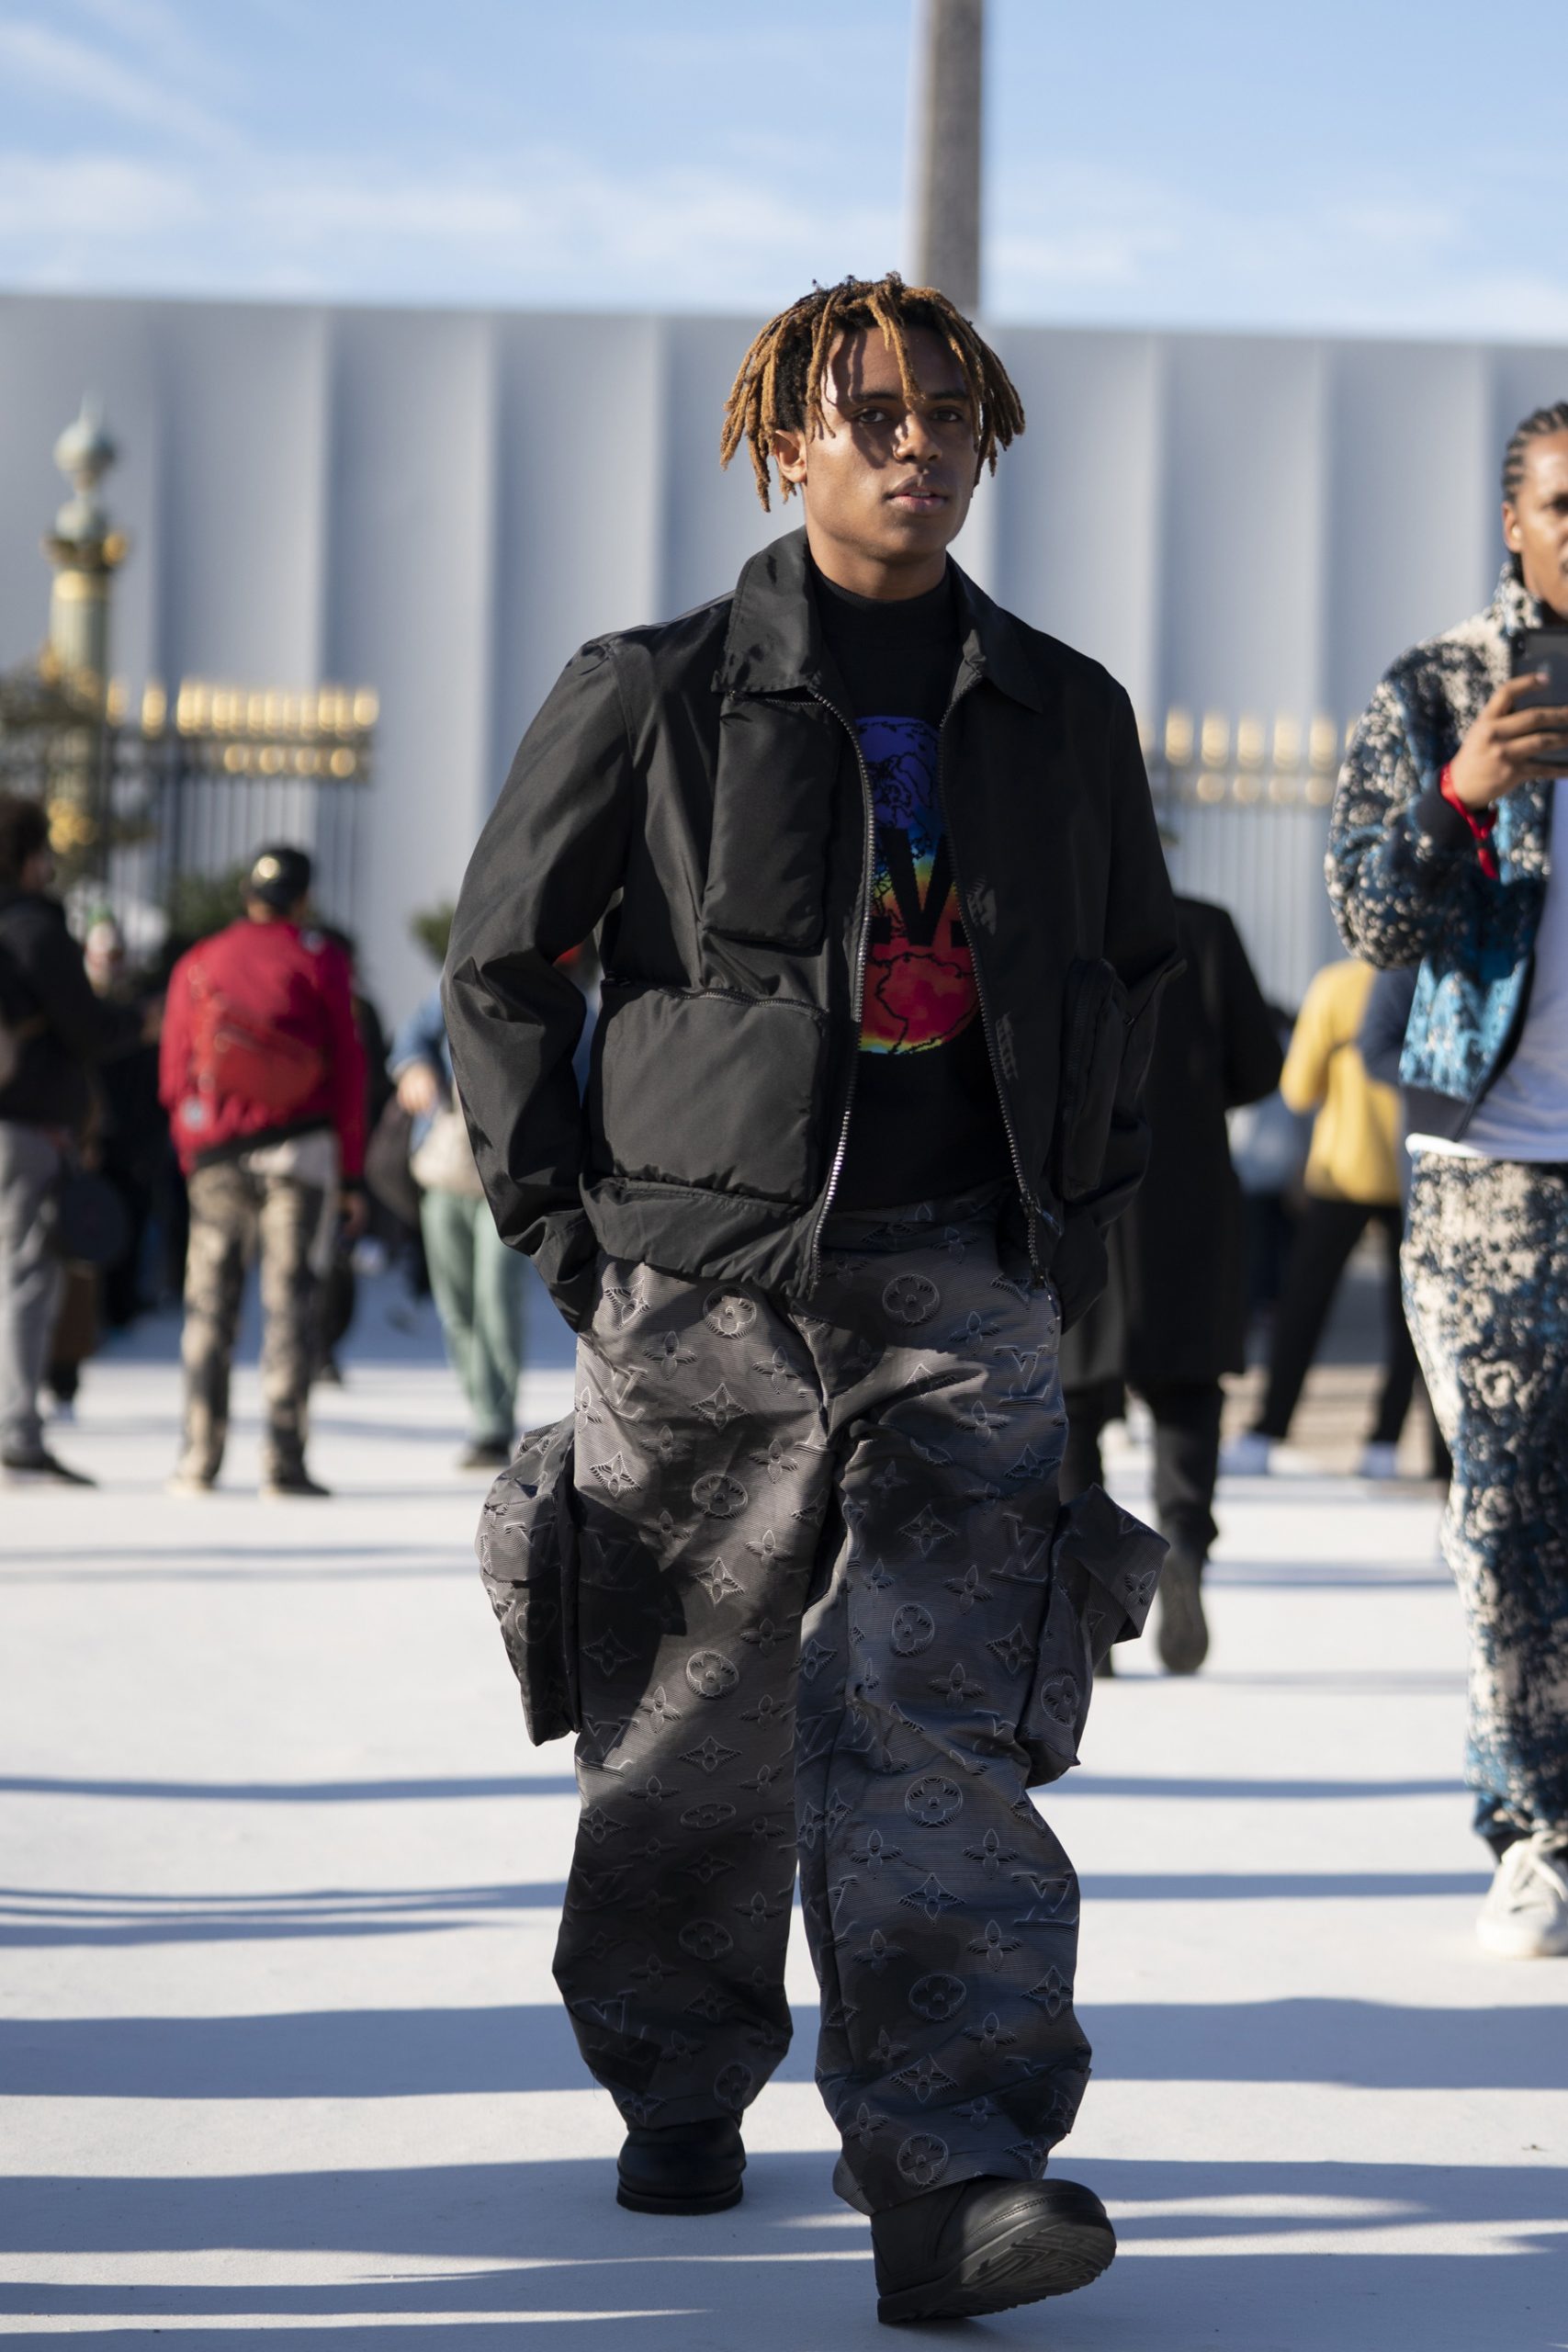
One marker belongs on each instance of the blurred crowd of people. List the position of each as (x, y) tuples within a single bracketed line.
[(163, 1127)]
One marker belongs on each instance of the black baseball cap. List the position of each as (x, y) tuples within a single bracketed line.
[(279, 877)]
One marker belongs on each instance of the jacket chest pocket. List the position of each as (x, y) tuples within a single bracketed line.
[(772, 811)]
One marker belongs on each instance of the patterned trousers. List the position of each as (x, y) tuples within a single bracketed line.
[(1486, 1287), (811, 1624), (233, 1212)]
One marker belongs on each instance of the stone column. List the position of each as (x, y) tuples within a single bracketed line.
[(949, 68)]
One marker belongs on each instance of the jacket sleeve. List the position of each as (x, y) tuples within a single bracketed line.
[(1401, 862), (174, 1040), (546, 867), (347, 1061), (1140, 946), (90, 1028), (1384, 1023), (422, 1038), (1304, 1081), (1241, 1014)]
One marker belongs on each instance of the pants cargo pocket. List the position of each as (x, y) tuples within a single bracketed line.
[(1104, 1567), (528, 1551)]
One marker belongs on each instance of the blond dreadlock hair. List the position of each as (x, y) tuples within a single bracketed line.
[(779, 388)]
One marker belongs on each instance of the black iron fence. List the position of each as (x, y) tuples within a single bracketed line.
[(1245, 810), (151, 814)]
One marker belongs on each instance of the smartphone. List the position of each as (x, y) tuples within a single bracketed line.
[(1543, 649)]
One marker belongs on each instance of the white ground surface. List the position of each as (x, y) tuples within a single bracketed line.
[(279, 2046)]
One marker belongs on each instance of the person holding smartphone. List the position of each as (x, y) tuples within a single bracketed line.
[(1440, 856)]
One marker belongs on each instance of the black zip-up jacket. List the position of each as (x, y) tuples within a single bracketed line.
[(42, 978), (698, 786)]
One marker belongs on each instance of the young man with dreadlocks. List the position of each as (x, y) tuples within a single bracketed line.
[(884, 921), (1442, 856)]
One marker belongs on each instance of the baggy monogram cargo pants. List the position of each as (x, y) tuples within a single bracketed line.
[(814, 1570)]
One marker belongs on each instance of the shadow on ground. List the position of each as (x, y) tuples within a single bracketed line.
[(406, 2053), (544, 2245)]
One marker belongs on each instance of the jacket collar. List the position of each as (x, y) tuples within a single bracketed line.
[(1513, 608), (774, 644)]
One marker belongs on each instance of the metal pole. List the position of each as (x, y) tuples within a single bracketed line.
[(950, 76)]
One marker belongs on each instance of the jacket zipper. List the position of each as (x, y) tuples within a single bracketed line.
[(1032, 1210), (868, 860)]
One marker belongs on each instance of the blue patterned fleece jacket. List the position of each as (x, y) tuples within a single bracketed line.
[(1405, 882)]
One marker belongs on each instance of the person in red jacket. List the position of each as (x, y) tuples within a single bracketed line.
[(263, 1077)]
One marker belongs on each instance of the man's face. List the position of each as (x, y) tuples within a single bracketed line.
[(886, 482), (1535, 522)]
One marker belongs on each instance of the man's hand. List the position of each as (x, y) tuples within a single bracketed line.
[(353, 1213), (419, 1089), (1508, 746)]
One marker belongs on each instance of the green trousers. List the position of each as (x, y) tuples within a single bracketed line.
[(478, 1284)]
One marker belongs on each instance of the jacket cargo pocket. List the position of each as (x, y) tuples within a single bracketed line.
[(1094, 1041), (705, 1086), (767, 873), (1104, 1567), (529, 1557)]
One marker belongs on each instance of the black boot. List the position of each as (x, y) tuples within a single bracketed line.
[(681, 2168), (1183, 1638), (986, 2246)]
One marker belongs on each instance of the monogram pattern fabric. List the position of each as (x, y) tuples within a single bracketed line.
[(1486, 1285), (814, 1576)]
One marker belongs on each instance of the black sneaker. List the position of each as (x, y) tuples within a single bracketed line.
[(40, 1468), (278, 1485), (988, 2245), (1183, 1638), (486, 1454), (682, 2167)]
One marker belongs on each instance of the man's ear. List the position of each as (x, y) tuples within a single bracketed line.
[(1510, 526), (789, 455)]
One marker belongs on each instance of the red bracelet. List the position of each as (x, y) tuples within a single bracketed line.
[(1480, 824)]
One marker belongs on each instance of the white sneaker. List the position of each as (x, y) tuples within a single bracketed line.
[(1247, 1456), (1378, 1461), (187, 1484), (1525, 1916)]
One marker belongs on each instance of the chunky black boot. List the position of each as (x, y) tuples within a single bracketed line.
[(681, 2168), (988, 2245), (1183, 1638)]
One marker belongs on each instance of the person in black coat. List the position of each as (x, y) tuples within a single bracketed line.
[(56, 1031), (1173, 1317)]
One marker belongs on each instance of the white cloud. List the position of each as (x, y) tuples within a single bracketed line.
[(95, 197), (552, 229), (1121, 250), (86, 74)]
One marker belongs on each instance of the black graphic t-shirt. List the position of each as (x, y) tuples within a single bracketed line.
[(926, 1120)]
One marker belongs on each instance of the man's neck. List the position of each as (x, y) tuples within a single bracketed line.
[(870, 575)]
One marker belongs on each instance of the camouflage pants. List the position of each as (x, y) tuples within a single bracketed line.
[(1486, 1288), (812, 1626), (232, 1213)]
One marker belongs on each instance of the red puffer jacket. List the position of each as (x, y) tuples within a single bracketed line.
[(283, 982)]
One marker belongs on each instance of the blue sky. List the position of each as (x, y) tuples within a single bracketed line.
[(1372, 167)]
